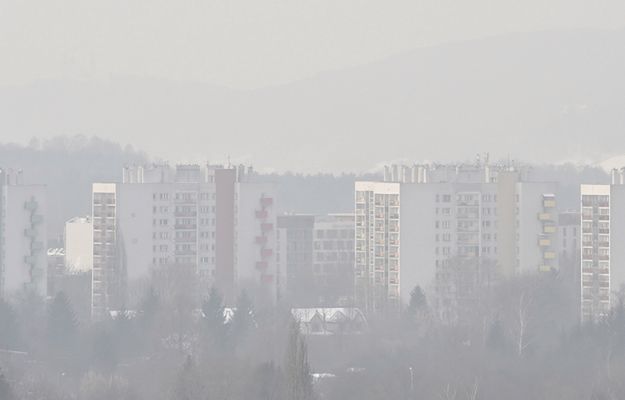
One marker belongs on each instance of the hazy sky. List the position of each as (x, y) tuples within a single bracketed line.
[(252, 43)]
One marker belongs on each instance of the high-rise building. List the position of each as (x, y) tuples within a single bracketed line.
[(489, 217), (377, 250), (23, 239), (595, 251), (255, 268), (202, 220), (602, 259)]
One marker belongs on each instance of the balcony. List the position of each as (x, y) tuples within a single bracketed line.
[(191, 214), (549, 255), (544, 242), (30, 205), (549, 229), (266, 253), (30, 260), (30, 233), (549, 203), (261, 265), (266, 278), (266, 201), (186, 240), (185, 226), (36, 246), (545, 217), (261, 240), (266, 227), (36, 219), (261, 214), (185, 252)]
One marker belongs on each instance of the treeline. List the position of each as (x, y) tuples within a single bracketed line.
[(520, 339), (166, 350)]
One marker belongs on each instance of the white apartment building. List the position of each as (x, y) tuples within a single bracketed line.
[(23, 239), (595, 251), (377, 250), (192, 217), (79, 244), (452, 214), (602, 257)]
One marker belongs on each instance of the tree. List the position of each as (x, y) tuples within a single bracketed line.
[(214, 320), (6, 393), (417, 300), (496, 338), (299, 380), (243, 318), (62, 326), (9, 331), (188, 385)]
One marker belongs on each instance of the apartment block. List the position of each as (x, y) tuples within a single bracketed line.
[(317, 253), (595, 251), (23, 239), (377, 248), (458, 224), (201, 220)]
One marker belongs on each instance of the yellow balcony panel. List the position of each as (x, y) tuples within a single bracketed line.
[(549, 255), (549, 203), (549, 229), (545, 217), (544, 242)]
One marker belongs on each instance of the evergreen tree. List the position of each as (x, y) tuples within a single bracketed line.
[(214, 319), (149, 308), (243, 318), (418, 302), (6, 393), (188, 385), (62, 325), (9, 332), (496, 338), (299, 380)]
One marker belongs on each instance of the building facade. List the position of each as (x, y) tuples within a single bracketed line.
[(23, 238), (595, 252), (377, 247), (317, 253), (491, 219), (79, 244), (200, 220)]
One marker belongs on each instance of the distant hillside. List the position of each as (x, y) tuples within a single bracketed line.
[(68, 165), (545, 96)]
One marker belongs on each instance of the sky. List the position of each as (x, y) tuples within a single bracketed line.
[(247, 44)]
